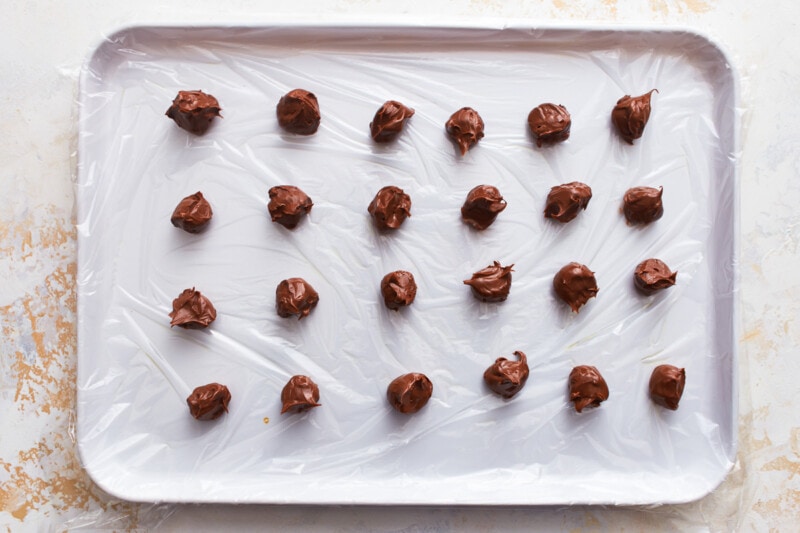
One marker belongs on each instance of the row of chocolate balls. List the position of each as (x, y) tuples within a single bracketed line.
[(298, 112), (391, 206), (574, 284), (410, 392)]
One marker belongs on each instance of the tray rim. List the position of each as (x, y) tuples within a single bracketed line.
[(407, 23)]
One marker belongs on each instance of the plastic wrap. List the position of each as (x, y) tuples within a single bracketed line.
[(467, 446)]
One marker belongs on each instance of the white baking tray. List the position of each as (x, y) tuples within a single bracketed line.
[(467, 446)]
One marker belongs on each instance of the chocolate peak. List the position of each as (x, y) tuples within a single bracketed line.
[(587, 388), (631, 114), (575, 284), (298, 112), (193, 111), (398, 289), (652, 275), (209, 402), (287, 205), (482, 206), (409, 393), (389, 121), (549, 123), (192, 310), (192, 214), (465, 127), (295, 297), (642, 205), (507, 378), (492, 284), (390, 207), (299, 394), (564, 202), (666, 385)]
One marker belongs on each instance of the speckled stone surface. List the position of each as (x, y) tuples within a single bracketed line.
[(42, 485)]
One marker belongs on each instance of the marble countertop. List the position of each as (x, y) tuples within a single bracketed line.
[(42, 484)]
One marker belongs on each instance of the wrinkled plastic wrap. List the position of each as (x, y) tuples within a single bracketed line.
[(467, 446)]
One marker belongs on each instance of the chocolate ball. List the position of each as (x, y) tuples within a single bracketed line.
[(409, 393), (389, 121), (287, 205), (575, 284), (549, 123), (398, 289), (298, 112), (507, 378), (194, 111), (209, 402), (631, 114), (295, 297), (390, 207), (666, 385), (653, 275), (192, 310), (465, 127), (192, 214), (300, 394), (587, 388), (492, 284), (482, 206), (642, 205), (564, 202)]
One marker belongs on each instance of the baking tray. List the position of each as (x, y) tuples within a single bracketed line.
[(135, 435)]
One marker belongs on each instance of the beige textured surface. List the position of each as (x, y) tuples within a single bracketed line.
[(42, 486)]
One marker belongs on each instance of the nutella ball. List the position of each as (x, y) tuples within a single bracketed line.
[(409, 393), (299, 395), (587, 388), (564, 202), (642, 205), (549, 123), (653, 275), (631, 114), (492, 284), (192, 214), (193, 111), (575, 284), (209, 402), (192, 310), (389, 121), (288, 205), (666, 385), (465, 127), (398, 289), (295, 297), (298, 112), (482, 206), (507, 378), (390, 207)]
